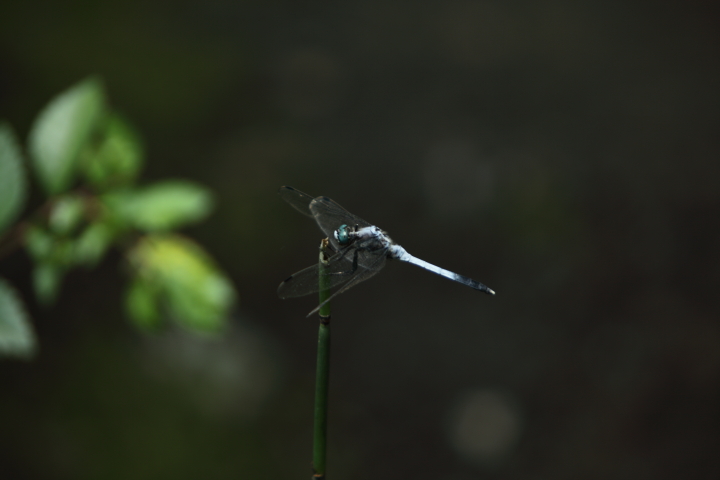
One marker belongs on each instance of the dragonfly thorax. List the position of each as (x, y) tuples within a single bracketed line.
[(370, 238)]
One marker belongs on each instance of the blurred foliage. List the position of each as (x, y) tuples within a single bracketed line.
[(59, 133), (16, 336), (78, 136), (174, 271), (12, 179)]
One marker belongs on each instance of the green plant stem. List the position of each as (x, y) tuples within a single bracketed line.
[(323, 370)]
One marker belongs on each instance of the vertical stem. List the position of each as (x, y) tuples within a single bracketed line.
[(323, 370)]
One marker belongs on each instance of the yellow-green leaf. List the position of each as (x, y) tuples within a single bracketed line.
[(141, 303), (195, 292)]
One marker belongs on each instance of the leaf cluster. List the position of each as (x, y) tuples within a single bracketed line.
[(86, 159)]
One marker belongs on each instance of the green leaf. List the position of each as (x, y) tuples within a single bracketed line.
[(45, 247), (66, 214), (117, 159), (162, 206), (39, 243), (16, 334), (141, 303), (197, 294), (92, 243), (202, 305), (13, 185), (46, 280), (61, 131)]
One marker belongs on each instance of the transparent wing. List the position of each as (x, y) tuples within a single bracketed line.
[(298, 200), (339, 270), (306, 281), (329, 216), (364, 274)]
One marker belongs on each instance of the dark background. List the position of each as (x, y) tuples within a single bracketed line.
[(564, 153)]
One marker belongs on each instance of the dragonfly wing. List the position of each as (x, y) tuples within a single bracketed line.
[(339, 270), (298, 200), (329, 216), (364, 274)]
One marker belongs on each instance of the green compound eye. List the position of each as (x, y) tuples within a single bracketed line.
[(342, 235)]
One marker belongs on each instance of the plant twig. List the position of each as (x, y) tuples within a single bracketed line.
[(13, 239), (323, 369)]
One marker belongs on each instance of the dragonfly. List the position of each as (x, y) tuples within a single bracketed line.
[(361, 250)]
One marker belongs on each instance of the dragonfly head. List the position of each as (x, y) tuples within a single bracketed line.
[(342, 234)]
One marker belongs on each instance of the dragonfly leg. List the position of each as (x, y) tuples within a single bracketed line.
[(354, 264)]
